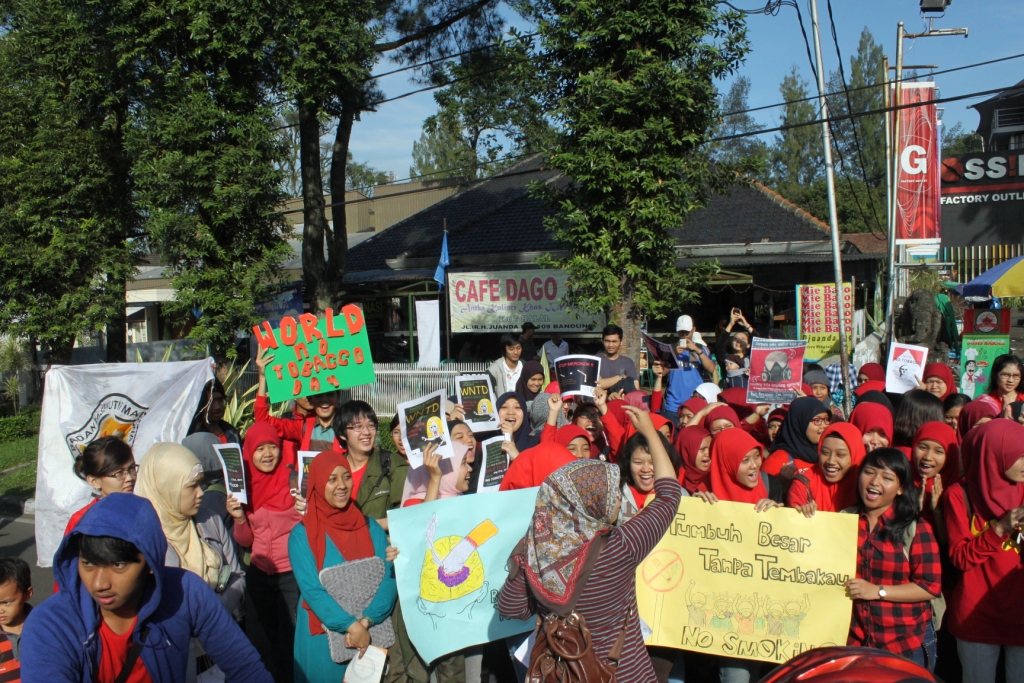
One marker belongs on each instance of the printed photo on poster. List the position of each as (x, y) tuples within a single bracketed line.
[(305, 459), (423, 423), (494, 466), (230, 455), (476, 395), (979, 352), (578, 375), (776, 370), (905, 370), (661, 351)]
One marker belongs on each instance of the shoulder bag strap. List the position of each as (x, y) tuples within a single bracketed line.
[(133, 656)]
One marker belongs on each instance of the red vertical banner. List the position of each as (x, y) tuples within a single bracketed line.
[(918, 182)]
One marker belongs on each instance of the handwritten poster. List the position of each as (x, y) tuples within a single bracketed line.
[(422, 421), (476, 395), (316, 354), (776, 370), (727, 580), (230, 455), (452, 563), (818, 322), (979, 352)]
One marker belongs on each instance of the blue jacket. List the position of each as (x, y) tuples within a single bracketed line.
[(61, 639)]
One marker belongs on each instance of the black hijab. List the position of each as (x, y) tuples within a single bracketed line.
[(521, 437), (876, 397), (792, 436), (530, 368)]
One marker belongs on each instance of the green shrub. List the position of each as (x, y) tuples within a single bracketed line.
[(19, 426)]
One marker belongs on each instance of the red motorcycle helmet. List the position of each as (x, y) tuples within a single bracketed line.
[(850, 665)]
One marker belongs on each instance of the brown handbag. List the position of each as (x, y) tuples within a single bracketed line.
[(564, 652)]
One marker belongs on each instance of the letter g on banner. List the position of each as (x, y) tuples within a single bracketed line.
[(916, 165)]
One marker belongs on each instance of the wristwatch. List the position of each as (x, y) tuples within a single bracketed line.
[(368, 622), (881, 593)]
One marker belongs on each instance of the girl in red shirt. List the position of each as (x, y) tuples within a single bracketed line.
[(694, 447), (831, 485), (983, 515), (108, 466), (898, 571), (875, 422), (936, 459), (1004, 384)]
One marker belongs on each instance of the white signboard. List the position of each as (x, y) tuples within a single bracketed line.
[(501, 301)]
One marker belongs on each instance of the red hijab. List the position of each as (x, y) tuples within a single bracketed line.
[(721, 413), (870, 385), (941, 371), (687, 443), (346, 527), (566, 433), (997, 446), (728, 448), (266, 489), (971, 413), (615, 408), (659, 421), (842, 494), (873, 371), (534, 465), (868, 417), (943, 434), (694, 404), (737, 400)]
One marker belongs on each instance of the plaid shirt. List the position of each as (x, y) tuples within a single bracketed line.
[(897, 627)]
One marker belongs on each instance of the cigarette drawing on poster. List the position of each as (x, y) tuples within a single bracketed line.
[(578, 375), (905, 370), (422, 421), (230, 455), (453, 571), (475, 394)]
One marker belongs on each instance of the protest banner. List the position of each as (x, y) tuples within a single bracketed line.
[(978, 354), (316, 354), (475, 394), (494, 465), (661, 351), (905, 368), (304, 459), (501, 301), (143, 403), (578, 375), (230, 455), (726, 580), (817, 320), (451, 565), (423, 422), (776, 370)]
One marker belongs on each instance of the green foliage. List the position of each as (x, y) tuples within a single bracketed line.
[(18, 451), (631, 85), (363, 177), (19, 426), (748, 154), (21, 483), (797, 157), (441, 152), (925, 278), (957, 141)]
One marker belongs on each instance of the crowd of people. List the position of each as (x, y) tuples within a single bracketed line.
[(165, 576)]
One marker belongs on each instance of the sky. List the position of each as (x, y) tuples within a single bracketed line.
[(385, 138)]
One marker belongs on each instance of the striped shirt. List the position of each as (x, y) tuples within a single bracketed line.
[(609, 597)]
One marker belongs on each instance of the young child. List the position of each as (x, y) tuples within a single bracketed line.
[(735, 372), (15, 592)]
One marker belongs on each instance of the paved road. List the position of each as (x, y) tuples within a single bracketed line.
[(18, 539)]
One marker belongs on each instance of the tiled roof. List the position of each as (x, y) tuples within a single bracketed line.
[(866, 242)]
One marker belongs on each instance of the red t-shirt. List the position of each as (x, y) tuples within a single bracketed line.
[(357, 479), (412, 501), (113, 653)]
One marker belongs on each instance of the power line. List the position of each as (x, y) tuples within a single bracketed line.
[(442, 59)]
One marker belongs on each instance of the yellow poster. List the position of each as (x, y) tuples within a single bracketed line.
[(727, 580)]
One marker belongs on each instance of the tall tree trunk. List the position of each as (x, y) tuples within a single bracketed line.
[(117, 331), (314, 231), (60, 351), (626, 316), (338, 244)]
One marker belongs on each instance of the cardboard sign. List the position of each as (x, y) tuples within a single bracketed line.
[(727, 580), (494, 465), (316, 354), (578, 375), (776, 370), (979, 352), (475, 394), (230, 455), (906, 367), (661, 351), (423, 422), (305, 459)]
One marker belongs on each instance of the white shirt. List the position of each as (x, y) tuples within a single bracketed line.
[(553, 352), (511, 376)]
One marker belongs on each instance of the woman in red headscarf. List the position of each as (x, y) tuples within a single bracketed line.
[(983, 514), (875, 422), (935, 455), (263, 526), (694, 447), (974, 414), (715, 417), (870, 372), (736, 475), (831, 485), (333, 531), (533, 465), (938, 380)]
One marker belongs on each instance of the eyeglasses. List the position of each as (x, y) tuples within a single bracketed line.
[(1004, 375), (821, 421), (359, 429), (121, 475)]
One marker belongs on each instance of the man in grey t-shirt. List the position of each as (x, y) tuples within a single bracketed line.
[(616, 368)]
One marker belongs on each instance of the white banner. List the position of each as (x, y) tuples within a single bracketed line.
[(501, 301), (144, 403), (428, 332)]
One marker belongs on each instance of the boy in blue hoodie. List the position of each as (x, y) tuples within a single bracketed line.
[(119, 607)]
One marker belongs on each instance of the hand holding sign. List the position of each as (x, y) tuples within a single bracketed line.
[(230, 455)]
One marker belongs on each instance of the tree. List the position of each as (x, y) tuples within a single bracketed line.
[(363, 177), (956, 141), (796, 157), (631, 85), (749, 153), (441, 152)]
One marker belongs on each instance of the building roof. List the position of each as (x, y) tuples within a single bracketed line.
[(867, 242)]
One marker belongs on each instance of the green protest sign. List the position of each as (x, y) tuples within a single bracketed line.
[(316, 354)]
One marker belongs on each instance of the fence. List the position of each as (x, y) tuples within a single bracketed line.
[(396, 382), (970, 262)]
